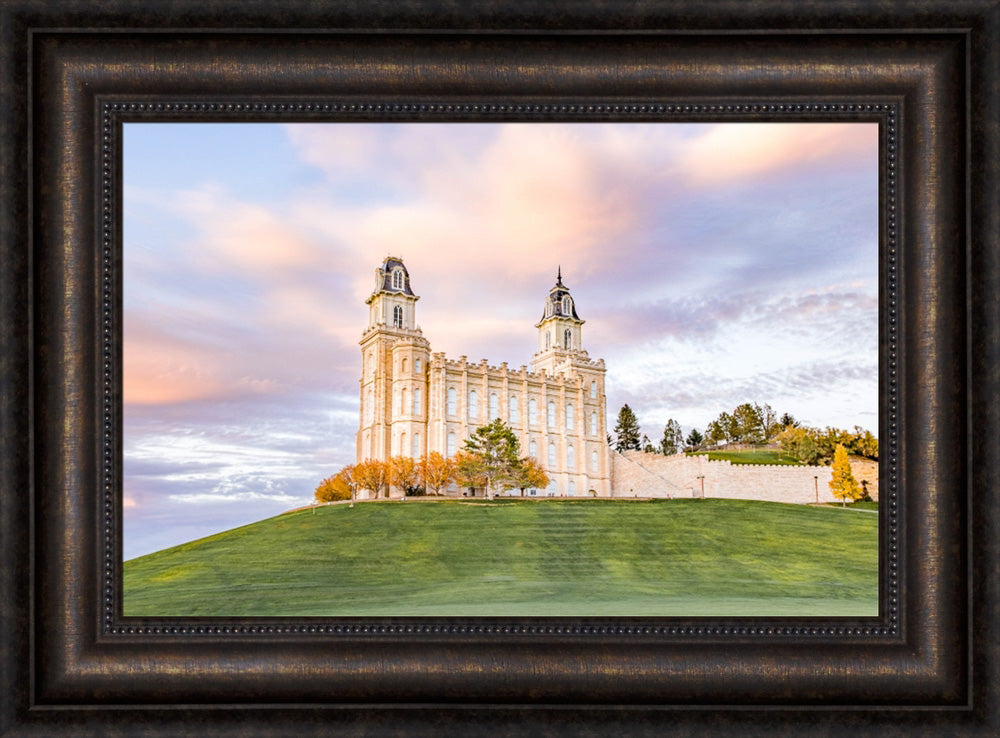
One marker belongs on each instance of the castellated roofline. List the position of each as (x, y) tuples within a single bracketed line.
[(462, 364)]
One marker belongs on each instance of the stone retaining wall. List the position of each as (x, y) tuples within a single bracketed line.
[(638, 474)]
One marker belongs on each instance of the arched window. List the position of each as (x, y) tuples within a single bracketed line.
[(513, 416), (416, 365), (570, 415), (402, 401), (593, 461), (494, 407), (402, 369), (572, 488), (570, 458), (371, 365), (397, 278), (593, 390), (397, 316), (451, 400), (548, 340), (568, 338), (532, 411), (567, 306), (402, 444), (473, 405), (370, 407), (593, 423), (533, 450), (451, 444), (548, 309), (416, 445), (416, 401), (552, 456), (552, 412)]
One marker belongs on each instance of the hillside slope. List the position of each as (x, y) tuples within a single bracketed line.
[(522, 558)]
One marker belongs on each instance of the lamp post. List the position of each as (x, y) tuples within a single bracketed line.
[(352, 486), (816, 482), (702, 478)]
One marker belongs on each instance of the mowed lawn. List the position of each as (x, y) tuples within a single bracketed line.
[(572, 558), (762, 456)]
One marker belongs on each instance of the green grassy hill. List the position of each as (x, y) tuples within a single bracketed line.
[(522, 558), (754, 456)]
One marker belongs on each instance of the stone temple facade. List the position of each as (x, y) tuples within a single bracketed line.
[(414, 401)]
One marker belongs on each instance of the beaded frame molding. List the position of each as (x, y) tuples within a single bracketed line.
[(115, 114)]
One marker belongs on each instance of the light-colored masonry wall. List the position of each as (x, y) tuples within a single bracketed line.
[(638, 474)]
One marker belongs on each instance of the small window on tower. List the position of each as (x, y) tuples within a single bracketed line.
[(568, 338), (397, 279), (567, 306), (397, 317), (416, 365)]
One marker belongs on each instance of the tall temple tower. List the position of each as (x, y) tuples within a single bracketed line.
[(559, 331), (394, 353)]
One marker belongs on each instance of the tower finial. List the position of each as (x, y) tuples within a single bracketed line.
[(559, 275)]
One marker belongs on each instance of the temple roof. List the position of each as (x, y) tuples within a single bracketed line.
[(556, 295), (384, 278)]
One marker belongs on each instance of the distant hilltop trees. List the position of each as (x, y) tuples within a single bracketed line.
[(752, 424)]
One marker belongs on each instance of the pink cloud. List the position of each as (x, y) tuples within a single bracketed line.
[(741, 151), (527, 199), (237, 235), (162, 368)]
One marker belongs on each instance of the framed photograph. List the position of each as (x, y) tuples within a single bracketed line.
[(218, 225), (245, 383)]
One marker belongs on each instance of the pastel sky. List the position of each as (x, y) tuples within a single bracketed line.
[(713, 264)]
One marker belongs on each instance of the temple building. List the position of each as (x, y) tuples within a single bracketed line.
[(414, 401)]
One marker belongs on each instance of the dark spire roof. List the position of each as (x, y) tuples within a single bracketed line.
[(384, 282), (556, 295)]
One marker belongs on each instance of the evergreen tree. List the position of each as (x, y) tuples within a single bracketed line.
[(496, 447), (694, 439), (788, 421), (626, 430), (842, 482), (673, 438)]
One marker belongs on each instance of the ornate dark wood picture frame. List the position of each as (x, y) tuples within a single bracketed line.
[(72, 74)]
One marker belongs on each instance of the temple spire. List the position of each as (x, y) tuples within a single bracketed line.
[(559, 275)]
